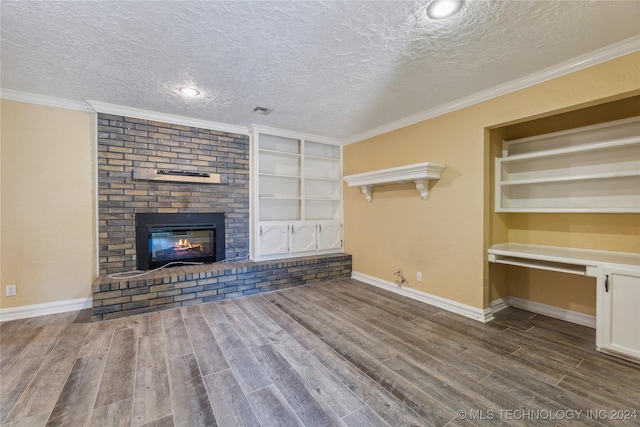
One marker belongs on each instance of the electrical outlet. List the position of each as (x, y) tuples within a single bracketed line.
[(10, 290), (419, 276)]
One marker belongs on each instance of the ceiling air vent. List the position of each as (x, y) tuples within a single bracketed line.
[(262, 110)]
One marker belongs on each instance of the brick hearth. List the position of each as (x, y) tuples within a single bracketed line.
[(183, 286)]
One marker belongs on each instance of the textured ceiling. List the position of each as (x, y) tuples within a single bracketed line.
[(330, 68)]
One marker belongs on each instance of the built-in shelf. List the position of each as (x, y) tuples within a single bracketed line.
[(297, 195), (419, 173), (590, 169)]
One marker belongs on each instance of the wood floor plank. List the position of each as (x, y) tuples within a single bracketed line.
[(508, 365), (456, 391), (162, 422), (117, 380), (332, 323), (364, 417), (246, 368), (210, 357), (429, 349), (14, 346), (45, 341), (540, 396), (604, 393), (39, 420), (150, 324), (78, 395), (430, 409), (191, 406), (98, 339), (15, 382), (383, 402), (292, 387), (230, 405), (270, 329), (272, 408), (42, 392), (176, 337), (288, 325), (321, 383), (152, 394), (620, 372), (584, 342), (402, 335), (10, 327), (366, 298), (113, 414), (243, 326), (435, 412)]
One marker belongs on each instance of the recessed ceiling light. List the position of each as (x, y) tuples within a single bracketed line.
[(189, 91), (440, 9)]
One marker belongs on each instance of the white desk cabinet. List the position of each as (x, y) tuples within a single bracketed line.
[(618, 325), (617, 277)]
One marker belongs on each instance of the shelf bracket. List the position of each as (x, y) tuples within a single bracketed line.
[(367, 190), (422, 185)]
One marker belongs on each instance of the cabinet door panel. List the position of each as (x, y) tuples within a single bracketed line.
[(621, 313), (273, 239), (303, 238), (329, 235)]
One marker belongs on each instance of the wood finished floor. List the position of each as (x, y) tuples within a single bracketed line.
[(328, 354)]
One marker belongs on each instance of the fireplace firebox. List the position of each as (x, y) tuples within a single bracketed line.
[(165, 238)]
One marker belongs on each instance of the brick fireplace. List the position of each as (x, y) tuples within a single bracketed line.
[(127, 145)]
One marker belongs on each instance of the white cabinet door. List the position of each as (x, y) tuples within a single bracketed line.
[(273, 239), (304, 237), (619, 300), (329, 235)]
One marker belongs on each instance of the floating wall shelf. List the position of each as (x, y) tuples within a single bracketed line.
[(420, 173), (174, 175)]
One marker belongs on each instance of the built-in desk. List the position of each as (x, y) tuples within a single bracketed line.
[(618, 287)]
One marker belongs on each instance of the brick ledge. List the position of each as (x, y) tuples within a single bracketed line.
[(189, 285)]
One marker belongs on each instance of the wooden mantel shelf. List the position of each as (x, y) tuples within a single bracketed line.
[(420, 173)]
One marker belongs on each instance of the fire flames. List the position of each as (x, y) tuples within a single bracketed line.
[(186, 244)]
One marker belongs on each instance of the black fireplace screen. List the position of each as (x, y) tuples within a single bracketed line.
[(166, 238)]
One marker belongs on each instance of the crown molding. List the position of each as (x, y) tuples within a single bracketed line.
[(121, 110), (599, 56), (607, 53), (49, 101), (253, 128)]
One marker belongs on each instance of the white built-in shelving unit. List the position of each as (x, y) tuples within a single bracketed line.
[(297, 194), (588, 169)]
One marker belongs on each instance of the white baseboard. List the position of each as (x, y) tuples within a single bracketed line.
[(485, 315), (35, 310), (544, 309)]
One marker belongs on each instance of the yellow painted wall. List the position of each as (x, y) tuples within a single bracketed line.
[(446, 236), (48, 215)]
